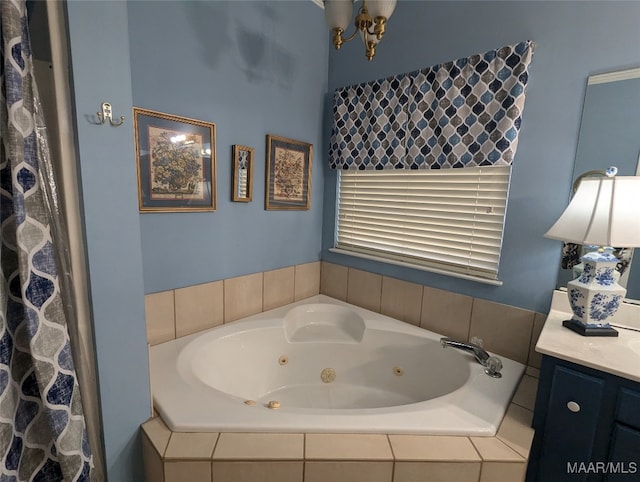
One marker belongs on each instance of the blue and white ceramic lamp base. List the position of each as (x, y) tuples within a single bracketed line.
[(595, 296)]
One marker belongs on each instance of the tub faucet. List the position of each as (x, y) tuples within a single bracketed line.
[(492, 364)]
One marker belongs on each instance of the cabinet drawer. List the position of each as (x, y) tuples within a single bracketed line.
[(628, 409), (623, 457)]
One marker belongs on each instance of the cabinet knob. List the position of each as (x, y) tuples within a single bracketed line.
[(573, 406)]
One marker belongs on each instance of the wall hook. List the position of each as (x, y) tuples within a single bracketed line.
[(106, 114)]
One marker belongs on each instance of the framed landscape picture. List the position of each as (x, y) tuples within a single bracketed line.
[(288, 176), (176, 162)]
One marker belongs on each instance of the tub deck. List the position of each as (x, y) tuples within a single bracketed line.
[(312, 457), (392, 377)]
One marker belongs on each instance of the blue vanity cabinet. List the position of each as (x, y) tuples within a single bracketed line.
[(625, 454), (587, 426), (625, 439)]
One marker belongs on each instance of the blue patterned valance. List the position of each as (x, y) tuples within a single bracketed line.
[(457, 114), (370, 124)]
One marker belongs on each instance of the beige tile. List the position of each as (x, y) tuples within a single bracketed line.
[(158, 434), (532, 372), (503, 471), (525, 395), (187, 471), (191, 445), (535, 358), (492, 449), (347, 447), (446, 313), (224, 471), (260, 446), (436, 472), (307, 280), (153, 469), (348, 471), (516, 430), (159, 310), (364, 289), (401, 300), (333, 280), (433, 448), (505, 330), (278, 288), (242, 296), (199, 307)]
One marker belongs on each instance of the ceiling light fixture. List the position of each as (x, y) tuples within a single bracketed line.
[(370, 21)]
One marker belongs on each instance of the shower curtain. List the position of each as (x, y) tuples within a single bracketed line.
[(43, 433)]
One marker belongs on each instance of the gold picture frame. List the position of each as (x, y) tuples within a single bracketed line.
[(242, 182), (288, 174), (176, 162)]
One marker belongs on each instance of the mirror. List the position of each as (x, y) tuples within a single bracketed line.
[(610, 136), (242, 183)]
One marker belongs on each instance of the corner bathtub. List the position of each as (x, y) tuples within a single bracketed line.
[(321, 365)]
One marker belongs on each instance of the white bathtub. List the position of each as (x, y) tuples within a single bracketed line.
[(330, 367)]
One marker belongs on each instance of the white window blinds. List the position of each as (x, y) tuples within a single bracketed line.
[(449, 220)]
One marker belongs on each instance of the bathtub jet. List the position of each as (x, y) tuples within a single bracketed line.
[(322, 365)]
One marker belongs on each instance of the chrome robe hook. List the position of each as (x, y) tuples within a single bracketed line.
[(106, 114)]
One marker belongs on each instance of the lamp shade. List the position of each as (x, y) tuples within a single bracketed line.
[(381, 8), (603, 212), (338, 13)]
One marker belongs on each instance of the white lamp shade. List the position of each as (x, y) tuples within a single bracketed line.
[(603, 212), (381, 8), (338, 13)]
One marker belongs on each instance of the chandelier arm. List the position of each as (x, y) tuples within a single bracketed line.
[(352, 36)]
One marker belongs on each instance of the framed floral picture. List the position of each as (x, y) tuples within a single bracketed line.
[(288, 174), (176, 161)]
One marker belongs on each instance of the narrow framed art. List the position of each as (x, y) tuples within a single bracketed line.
[(242, 182), (288, 174), (176, 162)]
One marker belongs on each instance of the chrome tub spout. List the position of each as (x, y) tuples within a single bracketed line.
[(492, 364)]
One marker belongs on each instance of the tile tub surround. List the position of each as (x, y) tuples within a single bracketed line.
[(271, 457), (229, 457), (505, 330), (180, 312)]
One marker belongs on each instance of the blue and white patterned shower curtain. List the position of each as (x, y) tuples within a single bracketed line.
[(42, 428)]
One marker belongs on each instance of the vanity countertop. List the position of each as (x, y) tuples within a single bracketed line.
[(616, 355)]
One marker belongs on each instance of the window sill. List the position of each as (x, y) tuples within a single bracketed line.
[(407, 264)]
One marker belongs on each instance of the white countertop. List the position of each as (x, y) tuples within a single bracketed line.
[(616, 355)]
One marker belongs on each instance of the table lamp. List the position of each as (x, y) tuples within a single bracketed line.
[(604, 212)]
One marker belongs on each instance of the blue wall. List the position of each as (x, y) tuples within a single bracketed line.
[(252, 68), (573, 41), (99, 48)]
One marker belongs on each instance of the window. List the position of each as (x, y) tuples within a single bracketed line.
[(449, 221)]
